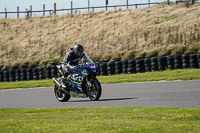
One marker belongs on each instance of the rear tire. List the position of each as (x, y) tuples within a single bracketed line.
[(61, 95), (94, 93)]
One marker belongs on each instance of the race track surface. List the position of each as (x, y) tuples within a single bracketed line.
[(150, 94)]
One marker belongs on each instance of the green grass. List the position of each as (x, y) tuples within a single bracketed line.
[(102, 120), (168, 75)]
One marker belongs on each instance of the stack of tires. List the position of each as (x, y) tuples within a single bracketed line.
[(35, 74), (17, 75), (124, 66), (193, 61), (154, 64), (178, 61), (48, 72), (1, 76), (170, 62), (30, 72), (162, 63), (111, 67), (139, 62), (118, 67), (6, 75), (131, 66), (186, 60), (103, 68), (53, 70), (147, 64), (198, 57), (41, 73), (12, 73), (23, 74), (98, 71)]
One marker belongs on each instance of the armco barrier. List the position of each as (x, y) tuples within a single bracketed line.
[(136, 65)]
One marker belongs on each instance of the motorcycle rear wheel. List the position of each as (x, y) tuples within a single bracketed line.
[(94, 92), (61, 95)]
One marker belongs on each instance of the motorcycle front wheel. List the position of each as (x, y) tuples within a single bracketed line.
[(61, 95), (94, 92)]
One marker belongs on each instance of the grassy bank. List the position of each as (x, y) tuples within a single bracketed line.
[(158, 30), (168, 75), (84, 120)]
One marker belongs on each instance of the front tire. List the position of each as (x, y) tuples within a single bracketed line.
[(94, 92), (61, 95)]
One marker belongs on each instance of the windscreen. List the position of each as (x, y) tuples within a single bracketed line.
[(86, 59)]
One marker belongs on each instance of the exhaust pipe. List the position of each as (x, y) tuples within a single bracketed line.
[(57, 83)]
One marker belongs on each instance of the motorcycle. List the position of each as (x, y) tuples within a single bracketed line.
[(82, 83)]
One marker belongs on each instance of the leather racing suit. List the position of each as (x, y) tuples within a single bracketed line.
[(70, 59)]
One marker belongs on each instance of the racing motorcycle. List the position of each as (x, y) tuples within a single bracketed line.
[(81, 83)]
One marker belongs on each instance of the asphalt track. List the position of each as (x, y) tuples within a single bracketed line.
[(150, 94)]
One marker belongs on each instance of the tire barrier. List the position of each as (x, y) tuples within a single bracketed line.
[(170, 62), (162, 63), (98, 64), (23, 75), (1, 76), (186, 60), (6, 76), (53, 70), (48, 72), (154, 64), (103, 68), (193, 61), (12, 75), (118, 67), (29, 73), (198, 58), (124, 66), (136, 65), (17, 75), (178, 61), (131, 66), (147, 64), (111, 67), (35, 74), (140, 67)]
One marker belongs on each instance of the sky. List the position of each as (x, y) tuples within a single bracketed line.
[(11, 5)]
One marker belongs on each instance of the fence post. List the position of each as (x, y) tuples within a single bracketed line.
[(167, 2), (54, 9), (106, 5), (18, 12), (88, 5), (71, 7), (126, 4), (5, 12), (43, 9), (148, 3), (30, 10), (192, 2)]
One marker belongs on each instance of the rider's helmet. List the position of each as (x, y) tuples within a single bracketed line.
[(78, 49)]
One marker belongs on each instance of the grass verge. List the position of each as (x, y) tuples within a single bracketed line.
[(84, 120), (168, 75)]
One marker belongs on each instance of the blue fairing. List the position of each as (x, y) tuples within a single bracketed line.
[(86, 70)]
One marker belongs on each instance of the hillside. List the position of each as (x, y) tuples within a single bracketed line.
[(105, 35)]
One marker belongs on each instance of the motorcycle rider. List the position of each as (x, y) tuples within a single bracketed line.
[(72, 57)]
